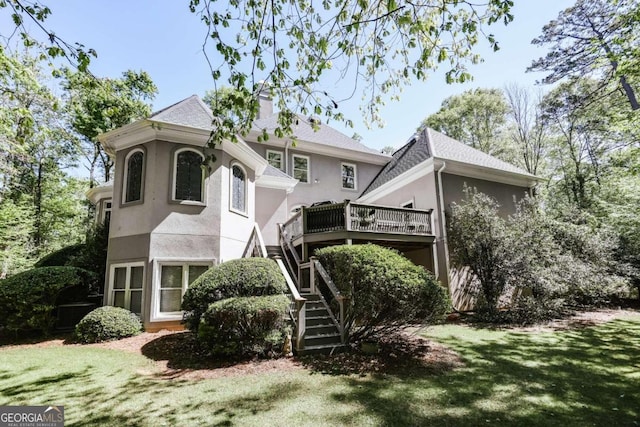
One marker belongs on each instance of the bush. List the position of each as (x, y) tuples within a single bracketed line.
[(244, 325), (28, 299), (107, 324), (384, 289), (243, 277), (61, 257)]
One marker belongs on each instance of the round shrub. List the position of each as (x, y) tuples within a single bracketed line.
[(28, 299), (61, 257), (385, 290), (107, 324), (244, 325), (243, 277)]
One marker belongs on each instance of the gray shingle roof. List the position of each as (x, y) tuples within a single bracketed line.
[(271, 171), (430, 143), (192, 112), (324, 135)]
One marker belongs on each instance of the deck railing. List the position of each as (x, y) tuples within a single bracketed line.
[(347, 216)]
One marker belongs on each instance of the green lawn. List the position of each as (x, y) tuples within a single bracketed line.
[(580, 377)]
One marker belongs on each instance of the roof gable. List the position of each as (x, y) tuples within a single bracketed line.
[(191, 112)]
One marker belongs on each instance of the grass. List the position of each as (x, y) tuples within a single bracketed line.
[(581, 377)]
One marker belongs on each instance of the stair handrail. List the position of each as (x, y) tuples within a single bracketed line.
[(298, 315), (255, 241), (287, 246), (337, 295)]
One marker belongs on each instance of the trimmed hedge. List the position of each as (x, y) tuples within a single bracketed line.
[(244, 325), (386, 290), (243, 277), (107, 324), (61, 257), (28, 299)]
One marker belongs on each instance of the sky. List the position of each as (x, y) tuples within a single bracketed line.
[(163, 38)]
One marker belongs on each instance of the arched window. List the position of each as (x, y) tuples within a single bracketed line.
[(134, 167), (238, 189), (188, 175)]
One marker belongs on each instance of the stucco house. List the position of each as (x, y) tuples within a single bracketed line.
[(171, 219)]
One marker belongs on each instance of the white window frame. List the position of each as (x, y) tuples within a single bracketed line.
[(156, 315), (104, 209), (175, 177), (125, 177), (293, 167), (409, 202), (246, 189), (355, 176), (127, 289), (280, 153)]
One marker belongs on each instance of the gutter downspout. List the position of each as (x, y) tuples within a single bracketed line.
[(443, 225)]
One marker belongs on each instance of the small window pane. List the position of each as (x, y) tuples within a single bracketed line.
[(189, 176), (118, 299), (301, 168), (136, 277), (120, 278), (170, 300), (238, 187), (196, 271), (136, 302), (171, 276), (348, 176), (274, 159), (134, 177)]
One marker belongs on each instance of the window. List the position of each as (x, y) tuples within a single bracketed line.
[(301, 168), (188, 175), (127, 282), (105, 215), (348, 176), (238, 189), (134, 167), (275, 159), (174, 279)]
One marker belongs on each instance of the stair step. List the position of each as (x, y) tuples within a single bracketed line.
[(322, 339), (319, 320), (314, 305), (316, 330), (316, 312), (311, 297), (323, 349)]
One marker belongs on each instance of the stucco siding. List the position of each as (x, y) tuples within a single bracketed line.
[(271, 209)]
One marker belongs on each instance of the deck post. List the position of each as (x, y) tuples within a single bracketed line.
[(347, 215), (312, 274)]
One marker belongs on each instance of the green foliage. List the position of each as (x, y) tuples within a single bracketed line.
[(16, 231), (107, 324), (245, 325), (28, 299), (386, 44), (385, 290), (593, 37), (476, 117), (61, 257), (549, 265), (243, 277)]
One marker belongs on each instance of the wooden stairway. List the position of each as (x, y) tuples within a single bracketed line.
[(322, 334)]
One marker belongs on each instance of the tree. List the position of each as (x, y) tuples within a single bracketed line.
[(100, 105), (33, 11), (584, 132), (381, 45), (476, 117), (527, 129), (593, 38)]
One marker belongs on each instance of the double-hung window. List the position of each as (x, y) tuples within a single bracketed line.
[(127, 284), (301, 169), (133, 176), (348, 173), (174, 277), (188, 175), (275, 159)]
